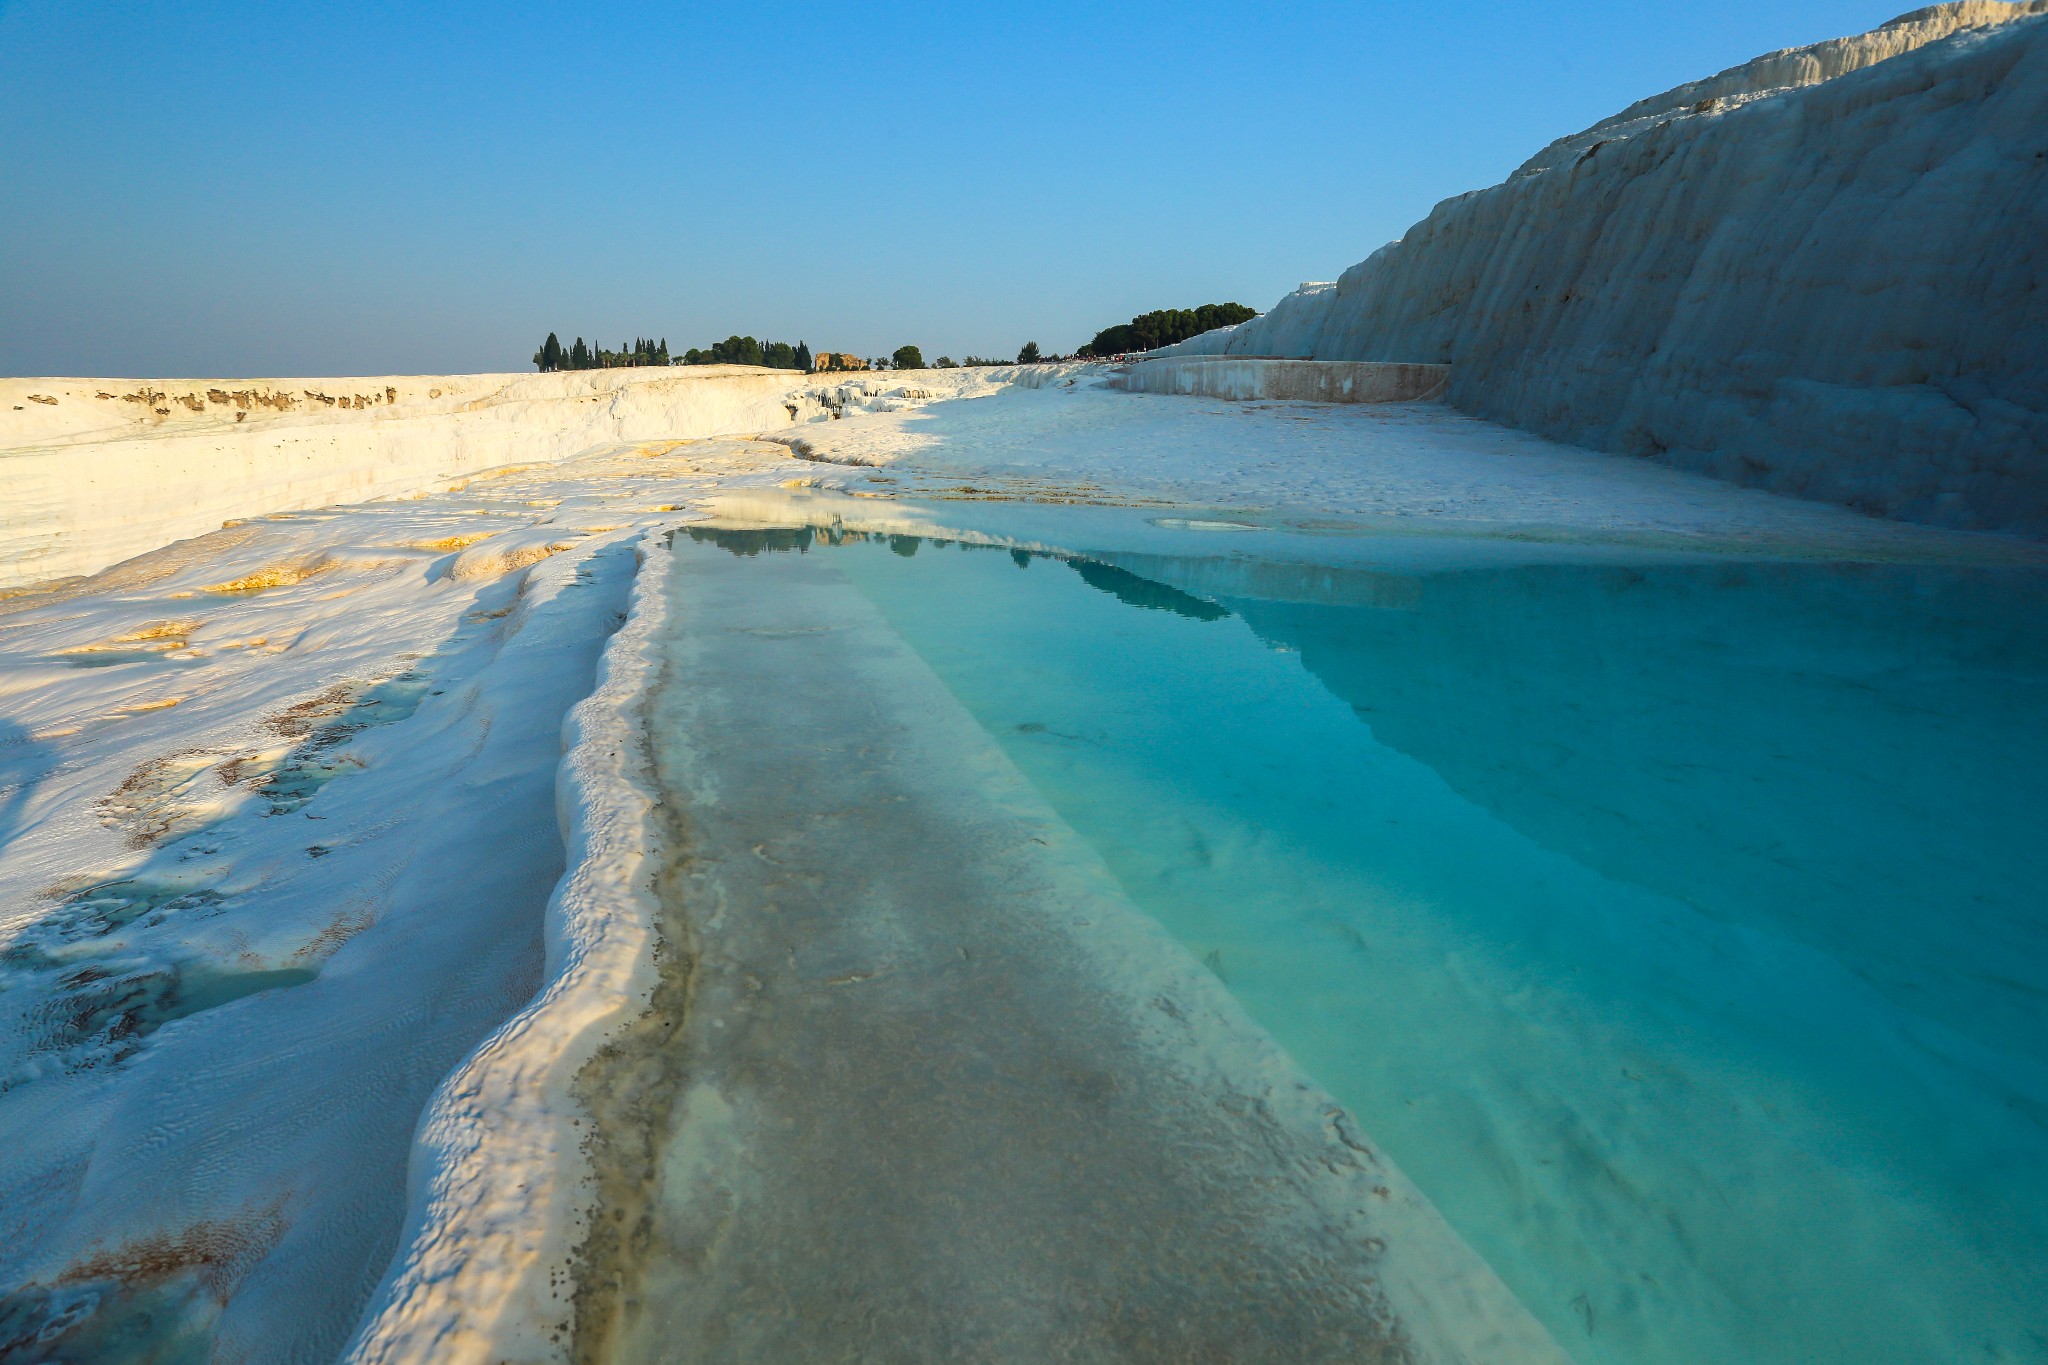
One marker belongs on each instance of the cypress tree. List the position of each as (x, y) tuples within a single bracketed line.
[(803, 356), (551, 353)]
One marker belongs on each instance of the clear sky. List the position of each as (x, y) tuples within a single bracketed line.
[(221, 189)]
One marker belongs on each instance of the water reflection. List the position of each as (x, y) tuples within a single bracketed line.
[(1665, 921), (1853, 756), (1131, 590), (1122, 584), (772, 540)]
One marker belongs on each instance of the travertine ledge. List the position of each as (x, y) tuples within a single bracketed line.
[(1301, 381)]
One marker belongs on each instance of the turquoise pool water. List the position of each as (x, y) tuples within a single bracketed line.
[(1678, 928)]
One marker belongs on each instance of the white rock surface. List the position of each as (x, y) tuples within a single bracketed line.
[(278, 816), (1819, 273), (1301, 381), (1787, 69), (278, 826), (95, 470), (1417, 469)]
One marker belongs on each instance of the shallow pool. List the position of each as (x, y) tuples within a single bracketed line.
[(1678, 927)]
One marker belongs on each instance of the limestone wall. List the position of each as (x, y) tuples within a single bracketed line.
[(93, 471), (1308, 381), (1835, 290)]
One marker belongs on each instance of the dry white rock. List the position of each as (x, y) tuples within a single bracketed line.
[(1818, 273)]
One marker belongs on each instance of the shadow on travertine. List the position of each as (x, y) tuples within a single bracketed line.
[(23, 766)]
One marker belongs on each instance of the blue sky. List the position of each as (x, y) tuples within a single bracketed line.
[(274, 189)]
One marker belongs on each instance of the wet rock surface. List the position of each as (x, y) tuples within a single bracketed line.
[(940, 1093)]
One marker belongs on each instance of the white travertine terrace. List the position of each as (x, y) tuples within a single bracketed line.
[(93, 471), (338, 961), (1299, 381), (1820, 273), (1817, 273)]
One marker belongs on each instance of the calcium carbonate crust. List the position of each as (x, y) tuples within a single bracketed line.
[(93, 471), (498, 1185), (1787, 69)]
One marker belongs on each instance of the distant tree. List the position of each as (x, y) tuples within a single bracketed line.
[(639, 351), (944, 362), (736, 350), (1166, 327), (907, 358), (1029, 354)]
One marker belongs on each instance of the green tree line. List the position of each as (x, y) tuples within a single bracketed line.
[(552, 355), (1148, 331), (738, 350), (745, 350)]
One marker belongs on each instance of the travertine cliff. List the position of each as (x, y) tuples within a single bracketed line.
[(93, 471), (1820, 273)]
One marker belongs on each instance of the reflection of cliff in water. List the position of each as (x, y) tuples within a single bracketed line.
[(1145, 593), (1127, 587), (1852, 757)]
